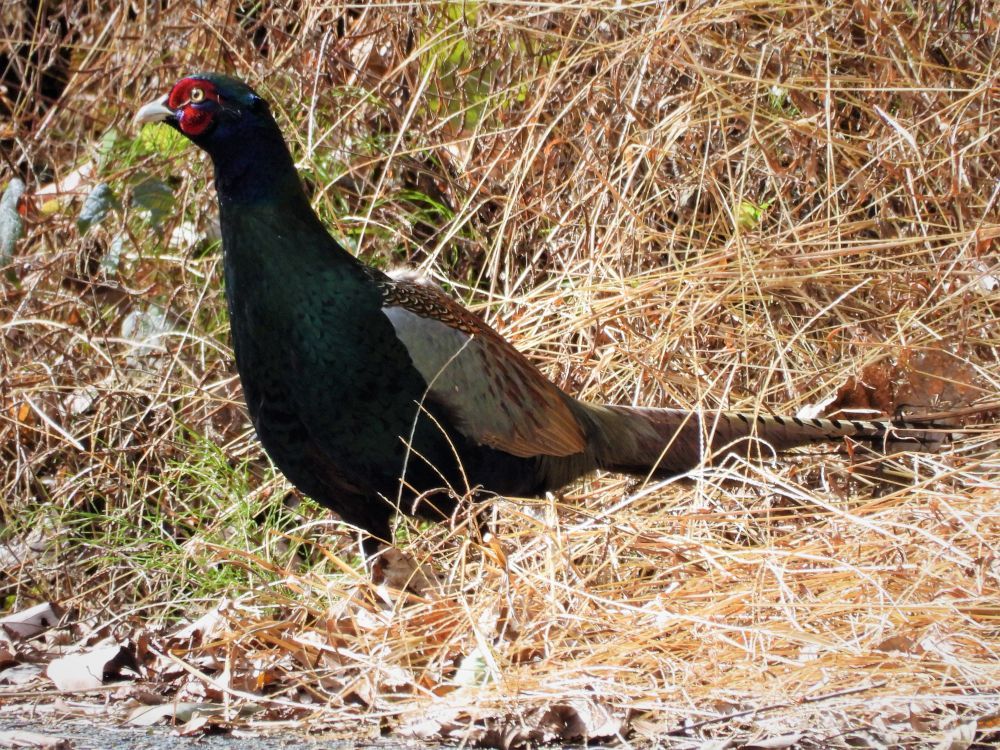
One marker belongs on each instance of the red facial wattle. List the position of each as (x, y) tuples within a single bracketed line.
[(194, 101)]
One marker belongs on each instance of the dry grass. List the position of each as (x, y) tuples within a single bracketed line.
[(720, 203)]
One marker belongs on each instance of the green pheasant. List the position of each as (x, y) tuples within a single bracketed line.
[(376, 394)]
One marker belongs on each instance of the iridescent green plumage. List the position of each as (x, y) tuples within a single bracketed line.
[(376, 394)]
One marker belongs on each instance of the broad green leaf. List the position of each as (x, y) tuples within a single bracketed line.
[(154, 199), (11, 223), (96, 206), (112, 257)]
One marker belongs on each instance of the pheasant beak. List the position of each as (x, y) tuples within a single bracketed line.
[(155, 111)]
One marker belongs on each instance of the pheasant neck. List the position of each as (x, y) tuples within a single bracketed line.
[(259, 173)]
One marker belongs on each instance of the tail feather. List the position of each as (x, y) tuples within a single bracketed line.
[(666, 442)]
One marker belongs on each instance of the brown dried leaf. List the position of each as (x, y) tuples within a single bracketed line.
[(205, 628), (872, 394), (900, 643), (937, 380), (7, 658), (397, 570), (915, 383)]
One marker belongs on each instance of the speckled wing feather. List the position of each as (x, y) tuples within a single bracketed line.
[(494, 394)]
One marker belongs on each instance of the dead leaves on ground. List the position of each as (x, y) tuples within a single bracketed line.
[(235, 667), (913, 383)]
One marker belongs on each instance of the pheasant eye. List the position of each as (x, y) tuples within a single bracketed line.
[(196, 95)]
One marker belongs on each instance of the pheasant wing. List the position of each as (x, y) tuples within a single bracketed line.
[(494, 394)]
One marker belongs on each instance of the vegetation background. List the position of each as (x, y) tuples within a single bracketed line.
[(723, 203)]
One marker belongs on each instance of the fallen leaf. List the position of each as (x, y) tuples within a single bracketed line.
[(873, 394), (22, 550), (91, 669), (579, 720), (20, 674), (54, 196), (147, 716), (988, 281), (20, 738), (937, 380), (957, 738), (184, 236), (776, 743), (197, 724), (474, 670), (185, 712), (145, 329), (899, 643), (30, 622), (912, 384), (397, 570), (205, 628)]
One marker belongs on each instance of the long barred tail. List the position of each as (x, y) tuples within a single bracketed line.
[(666, 442)]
